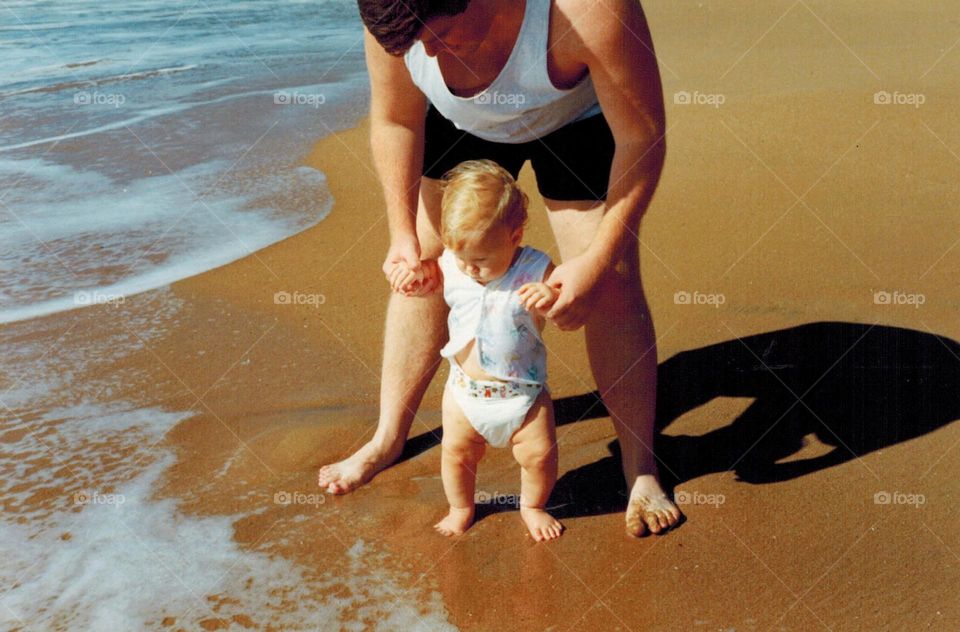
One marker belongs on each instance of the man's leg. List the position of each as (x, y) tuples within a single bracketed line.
[(416, 329), (621, 345)]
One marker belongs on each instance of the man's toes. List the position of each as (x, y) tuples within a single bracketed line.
[(664, 519), (652, 523), (635, 526), (636, 529), (329, 478), (325, 476)]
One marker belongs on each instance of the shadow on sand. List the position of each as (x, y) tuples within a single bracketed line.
[(857, 387)]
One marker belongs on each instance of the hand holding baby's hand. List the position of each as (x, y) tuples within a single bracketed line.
[(403, 278), (537, 297), (409, 282)]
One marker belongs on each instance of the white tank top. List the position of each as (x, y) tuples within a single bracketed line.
[(521, 104), (508, 341)]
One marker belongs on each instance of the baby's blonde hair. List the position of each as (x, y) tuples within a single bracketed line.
[(479, 195)]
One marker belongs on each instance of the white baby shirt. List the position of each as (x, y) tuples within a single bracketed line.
[(508, 341)]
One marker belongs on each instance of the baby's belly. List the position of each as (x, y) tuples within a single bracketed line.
[(469, 361)]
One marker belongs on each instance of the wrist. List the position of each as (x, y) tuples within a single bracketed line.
[(402, 225), (403, 236), (602, 255)]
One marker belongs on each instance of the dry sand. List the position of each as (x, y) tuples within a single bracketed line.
[(280, 389)]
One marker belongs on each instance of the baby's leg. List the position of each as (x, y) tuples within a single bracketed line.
[(535, 448), (462, 450)]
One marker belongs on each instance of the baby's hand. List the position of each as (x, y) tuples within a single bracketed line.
[(537, 297), (419, 282), (403, 278)]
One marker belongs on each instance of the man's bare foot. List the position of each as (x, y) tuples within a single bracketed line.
[(541, 525), (649, 508), (355, 470), (458, 520)]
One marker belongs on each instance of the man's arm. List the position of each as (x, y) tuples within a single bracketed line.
[(615, 44), (397, 112)]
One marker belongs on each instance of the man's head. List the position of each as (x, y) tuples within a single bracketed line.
[(397, 24)]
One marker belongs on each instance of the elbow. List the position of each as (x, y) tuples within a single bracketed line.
[(647, 154)]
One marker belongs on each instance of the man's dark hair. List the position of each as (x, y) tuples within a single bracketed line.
[(396, 24)]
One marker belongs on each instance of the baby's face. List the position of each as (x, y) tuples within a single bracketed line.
[(488, 258)]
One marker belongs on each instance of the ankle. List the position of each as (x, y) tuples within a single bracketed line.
[(641, 471), (385, 447)]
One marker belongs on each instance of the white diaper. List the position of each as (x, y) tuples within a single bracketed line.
[(495, 409)]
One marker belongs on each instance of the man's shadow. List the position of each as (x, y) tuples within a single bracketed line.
[(856, 387)]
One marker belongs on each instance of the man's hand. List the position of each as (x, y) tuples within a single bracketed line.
[(576, 280), (537, 297), (402, 250), (404, 270), (420, 282), (404, 280)]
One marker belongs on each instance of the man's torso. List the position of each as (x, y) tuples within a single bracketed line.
[(466, 77)]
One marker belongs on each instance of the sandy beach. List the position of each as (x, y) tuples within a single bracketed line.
[(799, 259)]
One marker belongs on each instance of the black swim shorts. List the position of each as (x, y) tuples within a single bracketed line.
[(571, 163)]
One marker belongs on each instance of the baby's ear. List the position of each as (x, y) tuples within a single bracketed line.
[(517, 236)]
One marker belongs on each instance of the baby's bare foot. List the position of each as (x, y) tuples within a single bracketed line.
[(458, 520), (649, 508), (541, 525), (354, 471)]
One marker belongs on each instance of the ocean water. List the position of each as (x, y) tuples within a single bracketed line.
[(140, 143), (86, 545), (143, 142)]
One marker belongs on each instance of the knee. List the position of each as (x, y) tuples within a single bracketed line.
[(462, 452), (430, 245), (619, 291), (535, 455), (428, 218)]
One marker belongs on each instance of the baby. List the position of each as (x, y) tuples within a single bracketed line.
[(496, 393)]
